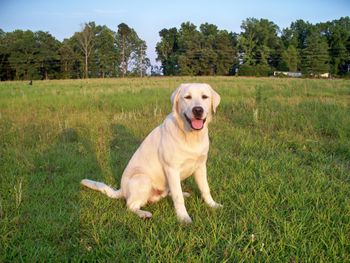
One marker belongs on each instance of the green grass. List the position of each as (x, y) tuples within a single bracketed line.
[(279, 162)]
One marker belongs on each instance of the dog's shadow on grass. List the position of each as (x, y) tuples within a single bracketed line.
[(60, 214), (51, 214), (122, 146)]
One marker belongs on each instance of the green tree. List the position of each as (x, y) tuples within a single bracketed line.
[(125, 43), (247, 41), (315, 57), (131, 50), (77, 61), (188, 51), (337, 33), (219, 52), (189, 41), (29, 55), (290, 59), (298, 33), (168, 51), (208, 57), (67, 59), (106, 54), (6, 71), (259, 44), (71, 64), (21, 47), (140, 61), (226, 50), (86, 40), (295, 36), (47, 55)]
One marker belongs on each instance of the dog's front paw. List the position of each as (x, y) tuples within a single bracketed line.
[(215, 205), (185, 219)]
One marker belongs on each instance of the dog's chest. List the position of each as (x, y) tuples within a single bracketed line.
[(190, 165)]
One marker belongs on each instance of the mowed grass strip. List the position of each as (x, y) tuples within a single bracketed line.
[(279, 163)]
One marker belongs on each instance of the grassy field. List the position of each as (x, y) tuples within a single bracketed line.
[(279, 162)]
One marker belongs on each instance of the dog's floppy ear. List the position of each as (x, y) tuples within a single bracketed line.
[(174, 98), (215, 101)]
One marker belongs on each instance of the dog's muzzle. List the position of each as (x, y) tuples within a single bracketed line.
[(196, 123)]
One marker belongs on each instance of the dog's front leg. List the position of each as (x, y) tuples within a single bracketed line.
[(174, 183), (200, 175)]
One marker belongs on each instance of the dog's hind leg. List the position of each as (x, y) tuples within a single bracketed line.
[(137, 194)]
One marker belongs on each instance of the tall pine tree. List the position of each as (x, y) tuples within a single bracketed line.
[(315, 57)]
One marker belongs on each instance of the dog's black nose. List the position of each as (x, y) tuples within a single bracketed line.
[(197, 111)]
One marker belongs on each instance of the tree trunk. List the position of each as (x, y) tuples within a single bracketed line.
[(86, 66), (141, 66), (123, 58)]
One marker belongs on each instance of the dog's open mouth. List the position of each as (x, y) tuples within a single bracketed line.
[(196, 124)]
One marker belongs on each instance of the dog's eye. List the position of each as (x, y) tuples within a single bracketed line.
[(188, 97), (204, 97)]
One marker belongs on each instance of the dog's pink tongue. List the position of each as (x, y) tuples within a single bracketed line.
[(197, 124)]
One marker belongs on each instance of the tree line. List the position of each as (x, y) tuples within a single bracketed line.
[(98, 52), (94, 52), (258, 50)]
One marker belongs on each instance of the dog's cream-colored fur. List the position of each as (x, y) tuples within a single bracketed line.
[(169, 154)]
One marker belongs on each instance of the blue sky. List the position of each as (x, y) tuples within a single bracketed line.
[(63, 18)]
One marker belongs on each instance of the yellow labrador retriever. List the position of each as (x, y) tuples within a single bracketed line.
[(172, 152)]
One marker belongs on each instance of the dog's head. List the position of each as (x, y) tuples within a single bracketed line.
[(194, 103)]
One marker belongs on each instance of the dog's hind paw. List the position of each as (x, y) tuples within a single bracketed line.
[(185, 219), (143, 214), (186, 194)]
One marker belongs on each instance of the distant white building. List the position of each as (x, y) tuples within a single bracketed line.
[(287, 74), (324, 75)]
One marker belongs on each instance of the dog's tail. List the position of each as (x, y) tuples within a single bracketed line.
[(109, 191)]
